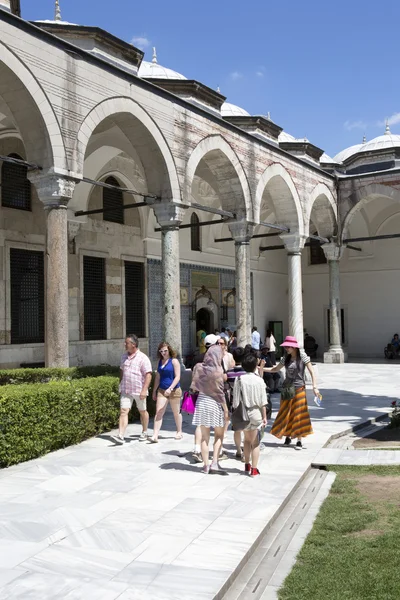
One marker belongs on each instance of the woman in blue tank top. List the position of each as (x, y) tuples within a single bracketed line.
[(167, 389)]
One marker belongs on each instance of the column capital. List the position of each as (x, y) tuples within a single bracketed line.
[(169, 214), (241, 231), (294, 242), (54, 190), (332, 251)]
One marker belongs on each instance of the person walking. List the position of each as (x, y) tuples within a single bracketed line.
[(167, 389), (211, 409), (255, 338), (272, 380), (238, 356), (293, 419), (250, 389), (270, 342), (135, 379)]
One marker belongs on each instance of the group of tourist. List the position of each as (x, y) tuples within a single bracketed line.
[(227, 381)]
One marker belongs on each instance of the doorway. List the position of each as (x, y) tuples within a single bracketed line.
[(205, 320)]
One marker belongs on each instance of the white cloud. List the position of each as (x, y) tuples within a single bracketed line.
[(141, 41), (393, 120), (235, 75), (260, 72), (349, 125)]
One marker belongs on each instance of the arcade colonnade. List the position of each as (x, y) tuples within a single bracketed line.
[(162, 149)]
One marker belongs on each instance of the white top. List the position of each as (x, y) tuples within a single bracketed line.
[(255, 340), (251, 389), (271, 343)]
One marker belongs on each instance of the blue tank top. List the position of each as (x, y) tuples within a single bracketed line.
[(167, 375)]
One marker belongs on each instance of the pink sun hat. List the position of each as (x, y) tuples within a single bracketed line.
[(290, 341)]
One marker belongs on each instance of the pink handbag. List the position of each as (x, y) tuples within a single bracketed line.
[(189, 402)]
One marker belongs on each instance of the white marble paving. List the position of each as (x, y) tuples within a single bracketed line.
[(140, 521)]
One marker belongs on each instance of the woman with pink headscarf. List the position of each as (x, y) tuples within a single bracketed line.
[(211, 410)]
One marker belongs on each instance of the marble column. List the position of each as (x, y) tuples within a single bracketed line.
[(294, 244), (242, 232), (169, 217), (55, 191), (335, 354)]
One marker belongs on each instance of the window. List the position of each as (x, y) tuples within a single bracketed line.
[(317, 255), (134, 299), (195, 233), (341, 326), (94, 293), (27, 296), (114, 200), (15, 186)]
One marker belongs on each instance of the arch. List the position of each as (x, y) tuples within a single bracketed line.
[(363, 196), (149, 138), (228, 171), (287, 205), (39, 127), (195, 236), (322, 210)]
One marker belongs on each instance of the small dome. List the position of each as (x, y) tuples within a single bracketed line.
[(387, 140), (285, 137), (231, 110), (152, 70), (325, 158)]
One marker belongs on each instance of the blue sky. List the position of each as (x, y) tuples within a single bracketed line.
[(323, 70)]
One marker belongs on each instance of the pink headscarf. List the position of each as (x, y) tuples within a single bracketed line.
[(208, 376)]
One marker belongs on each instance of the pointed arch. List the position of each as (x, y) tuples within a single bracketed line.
[(223, 162), (277, 183)]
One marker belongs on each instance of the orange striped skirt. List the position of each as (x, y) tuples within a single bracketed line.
[(293, 419)]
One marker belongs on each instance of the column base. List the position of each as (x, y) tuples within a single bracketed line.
[(335, 355)]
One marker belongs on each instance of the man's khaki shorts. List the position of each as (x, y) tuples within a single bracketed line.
[(127, 400)]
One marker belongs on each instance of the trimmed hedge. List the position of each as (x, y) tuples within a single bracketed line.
[(36, 418), (44, 375)]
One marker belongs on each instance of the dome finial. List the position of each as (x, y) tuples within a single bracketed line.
[(268, 116), (387, 130), (364, 141), (218, 90), (57, 11), (154, 60)]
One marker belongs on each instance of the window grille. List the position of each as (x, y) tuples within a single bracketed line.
[(113, 199), (94, 293), (15, 186), (27, 296), (195, 233), (317, 255), (135, 298)]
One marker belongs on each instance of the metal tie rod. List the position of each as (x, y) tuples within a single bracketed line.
[(96, 211), (390, 236), (120, 189), (215, 211), (274, 226), (20, 161), (200, 224)]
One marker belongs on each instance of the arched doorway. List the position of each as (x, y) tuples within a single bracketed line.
[(205, 320)]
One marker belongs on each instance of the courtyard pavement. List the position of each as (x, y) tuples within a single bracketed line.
[(140, 521)]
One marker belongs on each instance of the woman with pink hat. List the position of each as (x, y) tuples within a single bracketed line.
[(293, 419)]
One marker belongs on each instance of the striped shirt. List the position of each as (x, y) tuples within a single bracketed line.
[(134, 369)]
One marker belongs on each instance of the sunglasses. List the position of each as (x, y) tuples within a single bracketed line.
[(220, 343), (164, 351)]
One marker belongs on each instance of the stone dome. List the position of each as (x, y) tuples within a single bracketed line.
[(382, 142), (152, 70), (231, 110), (344, 154)]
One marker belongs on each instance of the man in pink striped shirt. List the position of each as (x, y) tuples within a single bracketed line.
[(135, 378)]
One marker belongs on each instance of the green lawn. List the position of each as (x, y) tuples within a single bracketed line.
[(353, 550)]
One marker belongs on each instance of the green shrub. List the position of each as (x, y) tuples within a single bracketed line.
[(44, 375), (39, 418)]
